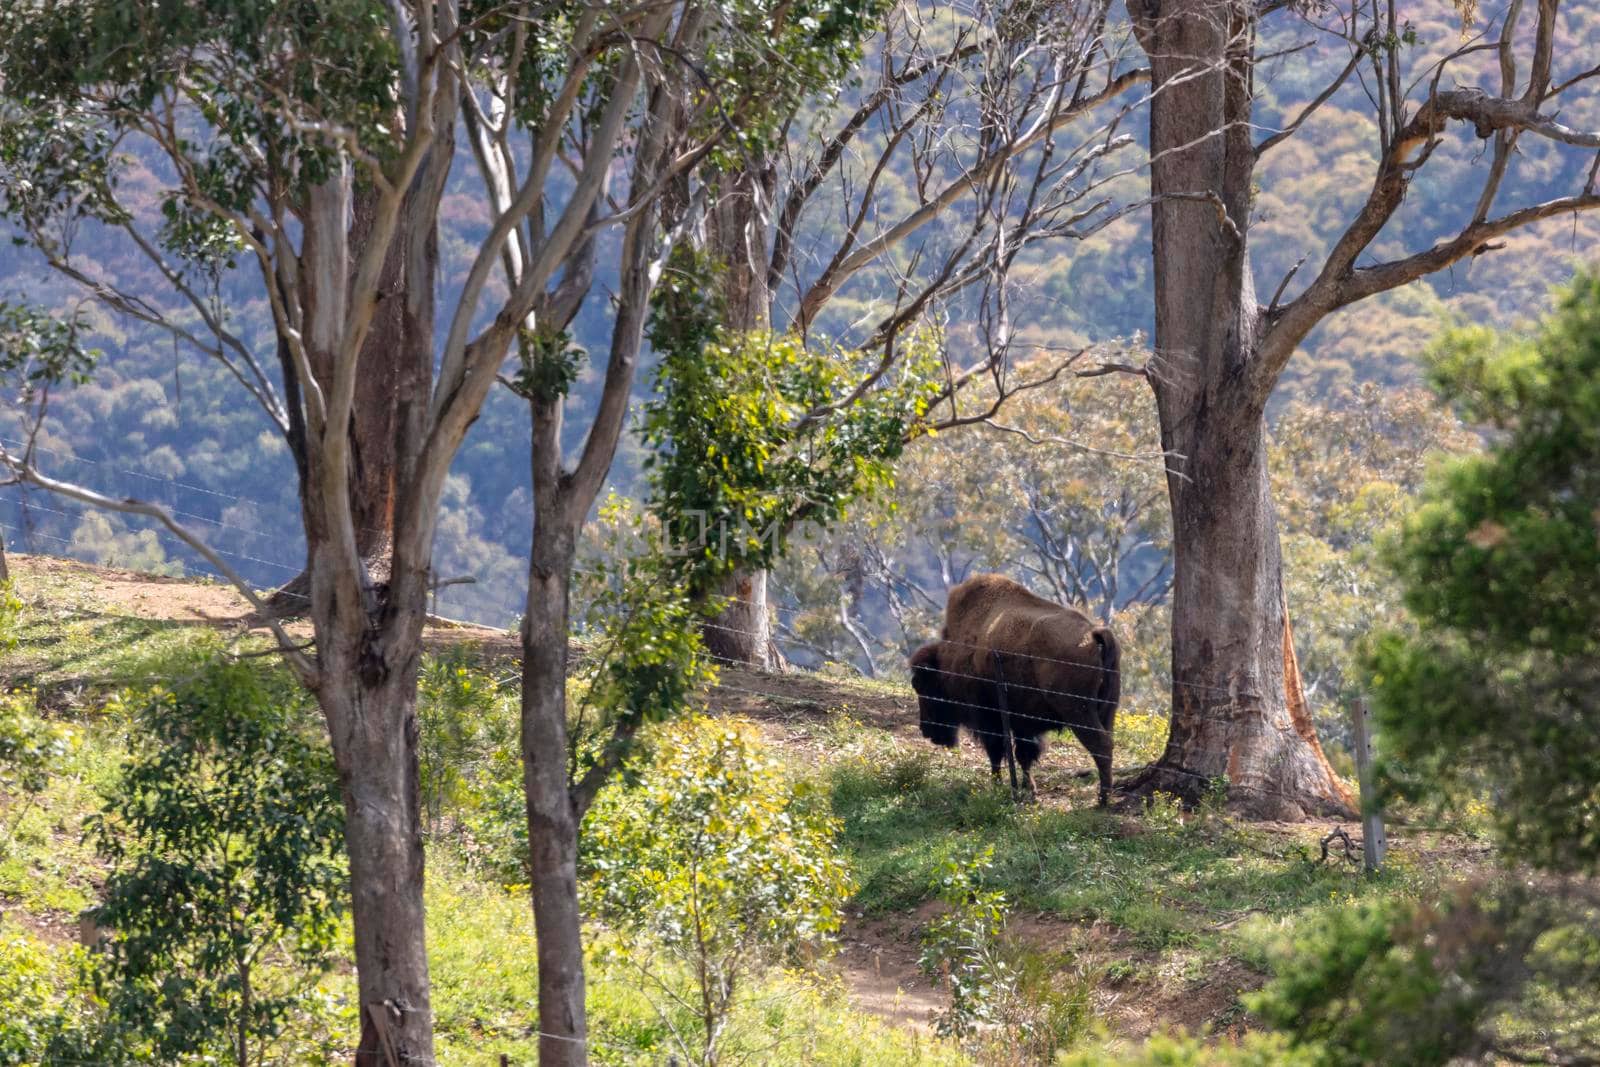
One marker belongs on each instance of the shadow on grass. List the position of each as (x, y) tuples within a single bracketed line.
[(73, 649), (1162, 880)]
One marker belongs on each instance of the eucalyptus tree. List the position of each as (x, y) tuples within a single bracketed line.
[(302, 152), (699, 87), (1221, 348), (976, 137)]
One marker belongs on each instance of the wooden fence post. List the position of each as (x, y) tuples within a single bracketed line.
[(1374, 844)]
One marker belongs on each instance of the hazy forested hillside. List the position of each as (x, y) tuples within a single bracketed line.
[(160, 420)]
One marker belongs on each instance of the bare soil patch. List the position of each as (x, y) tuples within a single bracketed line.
[(115, 593)]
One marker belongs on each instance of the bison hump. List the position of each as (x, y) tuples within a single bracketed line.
[(990, 612)]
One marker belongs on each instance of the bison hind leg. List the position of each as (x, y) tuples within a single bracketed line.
[(1029, 749), (1098, 743)]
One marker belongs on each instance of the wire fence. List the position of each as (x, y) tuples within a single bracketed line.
[(507, 607), (22, 531)]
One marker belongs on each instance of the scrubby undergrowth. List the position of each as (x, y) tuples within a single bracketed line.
[(1049, 926)]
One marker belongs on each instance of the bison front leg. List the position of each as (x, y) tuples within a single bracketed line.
[(994, 744), (1029, 749)]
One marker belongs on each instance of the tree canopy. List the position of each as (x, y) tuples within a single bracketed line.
[(1495, 687)]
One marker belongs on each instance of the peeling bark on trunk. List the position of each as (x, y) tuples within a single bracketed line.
[(369, 625), (374, 416), (742, 632), (1233, 661), (372, 721), (1231, 709), (377, 402)]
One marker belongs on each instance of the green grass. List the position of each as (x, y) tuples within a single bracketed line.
[(67, 651), (1174, 895), (45, 866), (481, 945), (1163, 882)]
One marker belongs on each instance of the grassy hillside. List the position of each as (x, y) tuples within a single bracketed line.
[(1117, 924)]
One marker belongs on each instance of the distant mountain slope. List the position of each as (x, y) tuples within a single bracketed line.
[(162, 422)]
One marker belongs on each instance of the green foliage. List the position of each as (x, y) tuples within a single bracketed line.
[(1181, 1050), (1162, 887), (10, 611), (48, 1005), (1352, 983), (648, 661), (754, 433), (550, 363), (471, 763), (1489, 689), (963, 944), (29, 746), (252, 70), (468, 737), (1029, 1003), (714, 859), (483, 971), (1425, 983), (223, 836), (38, 350), (1496, 688)]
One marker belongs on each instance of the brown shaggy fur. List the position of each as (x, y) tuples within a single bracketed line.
[(1060, 669)]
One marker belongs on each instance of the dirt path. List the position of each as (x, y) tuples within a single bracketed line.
[(878, 962)]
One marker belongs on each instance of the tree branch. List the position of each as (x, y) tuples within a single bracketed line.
[(24, 471)]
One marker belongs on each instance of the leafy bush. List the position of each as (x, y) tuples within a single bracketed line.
[(1423, 983), (963, 945), (1353, 986), (223, 836), (1141, 736), (732, 425), (1488, 690), (10, 609), (1495, 688), (468, 740), (29, 744), (48, 1009), (1182, 1050), (715, 863), (1027, 1002)]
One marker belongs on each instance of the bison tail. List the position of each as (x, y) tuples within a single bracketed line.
[(939, 719), (1110, 694)]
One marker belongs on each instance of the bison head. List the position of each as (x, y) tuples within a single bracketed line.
[(940, 719)]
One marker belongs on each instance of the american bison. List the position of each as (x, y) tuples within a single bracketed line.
[(1006, 653)]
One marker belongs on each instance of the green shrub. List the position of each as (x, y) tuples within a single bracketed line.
[(29, 745), (468, 739), (963, 945), (1023, 1002), (1494, 688), (716, 867), (46, 1008), (1422, 983), (10, 612), (223, 837), (1141, 736), (1182, 1050)]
